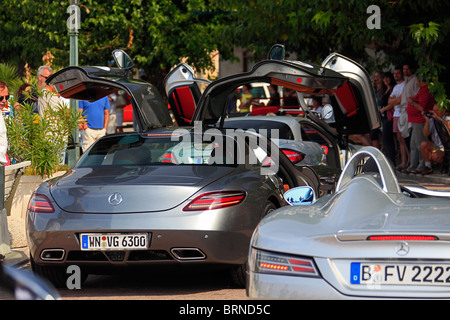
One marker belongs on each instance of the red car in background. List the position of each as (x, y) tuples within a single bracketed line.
[(127, 114)]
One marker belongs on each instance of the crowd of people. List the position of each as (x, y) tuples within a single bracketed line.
[(409, 113), (409, 116)]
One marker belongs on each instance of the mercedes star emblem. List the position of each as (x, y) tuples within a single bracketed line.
[(115, 199), (402, 248)]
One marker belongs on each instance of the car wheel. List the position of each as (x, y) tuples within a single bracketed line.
[(239, 272), (239, 275), (57, 275), (268, 208)]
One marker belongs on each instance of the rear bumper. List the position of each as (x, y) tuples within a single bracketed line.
[(166, 247), (333, 284), (271, 287), (216, 238)]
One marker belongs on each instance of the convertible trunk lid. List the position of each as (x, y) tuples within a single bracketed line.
[(125, 189)]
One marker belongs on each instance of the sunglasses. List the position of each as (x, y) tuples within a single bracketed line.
[(6, 98)]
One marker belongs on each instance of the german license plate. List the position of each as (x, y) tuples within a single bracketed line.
[(400, 274), (114, 241)]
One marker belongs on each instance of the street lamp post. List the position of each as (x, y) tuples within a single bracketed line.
[(73, 24)]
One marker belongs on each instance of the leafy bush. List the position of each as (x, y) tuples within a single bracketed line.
[(41, 140), (9, 75)]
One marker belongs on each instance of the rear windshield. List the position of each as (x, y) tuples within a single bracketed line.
[(135, 150)]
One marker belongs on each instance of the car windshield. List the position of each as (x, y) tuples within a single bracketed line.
[(144, 150)]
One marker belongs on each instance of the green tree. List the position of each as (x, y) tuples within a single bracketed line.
[(29, 28), (9, 75), (313, 29), (155, 33), (429, 69)]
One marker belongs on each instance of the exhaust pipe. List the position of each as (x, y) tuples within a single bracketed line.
[(52, 254), (188, 253)]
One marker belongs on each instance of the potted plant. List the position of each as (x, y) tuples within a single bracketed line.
[(41, 139)]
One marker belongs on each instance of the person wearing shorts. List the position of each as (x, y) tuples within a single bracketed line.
[(121, 103), (395, 99), (119, 119), (97, 118)]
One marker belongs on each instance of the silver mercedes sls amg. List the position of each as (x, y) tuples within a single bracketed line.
[(168, 195), (373, 238)]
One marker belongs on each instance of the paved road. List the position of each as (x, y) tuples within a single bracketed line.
[(154, 285), (440, 182), (147, 286)]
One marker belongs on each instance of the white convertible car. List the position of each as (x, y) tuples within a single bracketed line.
[(372, 238)]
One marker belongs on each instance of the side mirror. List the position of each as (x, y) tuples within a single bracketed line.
[(300, 196), (327, 112), (277, 52), (122, 59)]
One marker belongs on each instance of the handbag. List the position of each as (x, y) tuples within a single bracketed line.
[(390, 114)]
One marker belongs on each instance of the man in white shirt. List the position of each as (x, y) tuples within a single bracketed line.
[(395, 102), (49, 98)]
